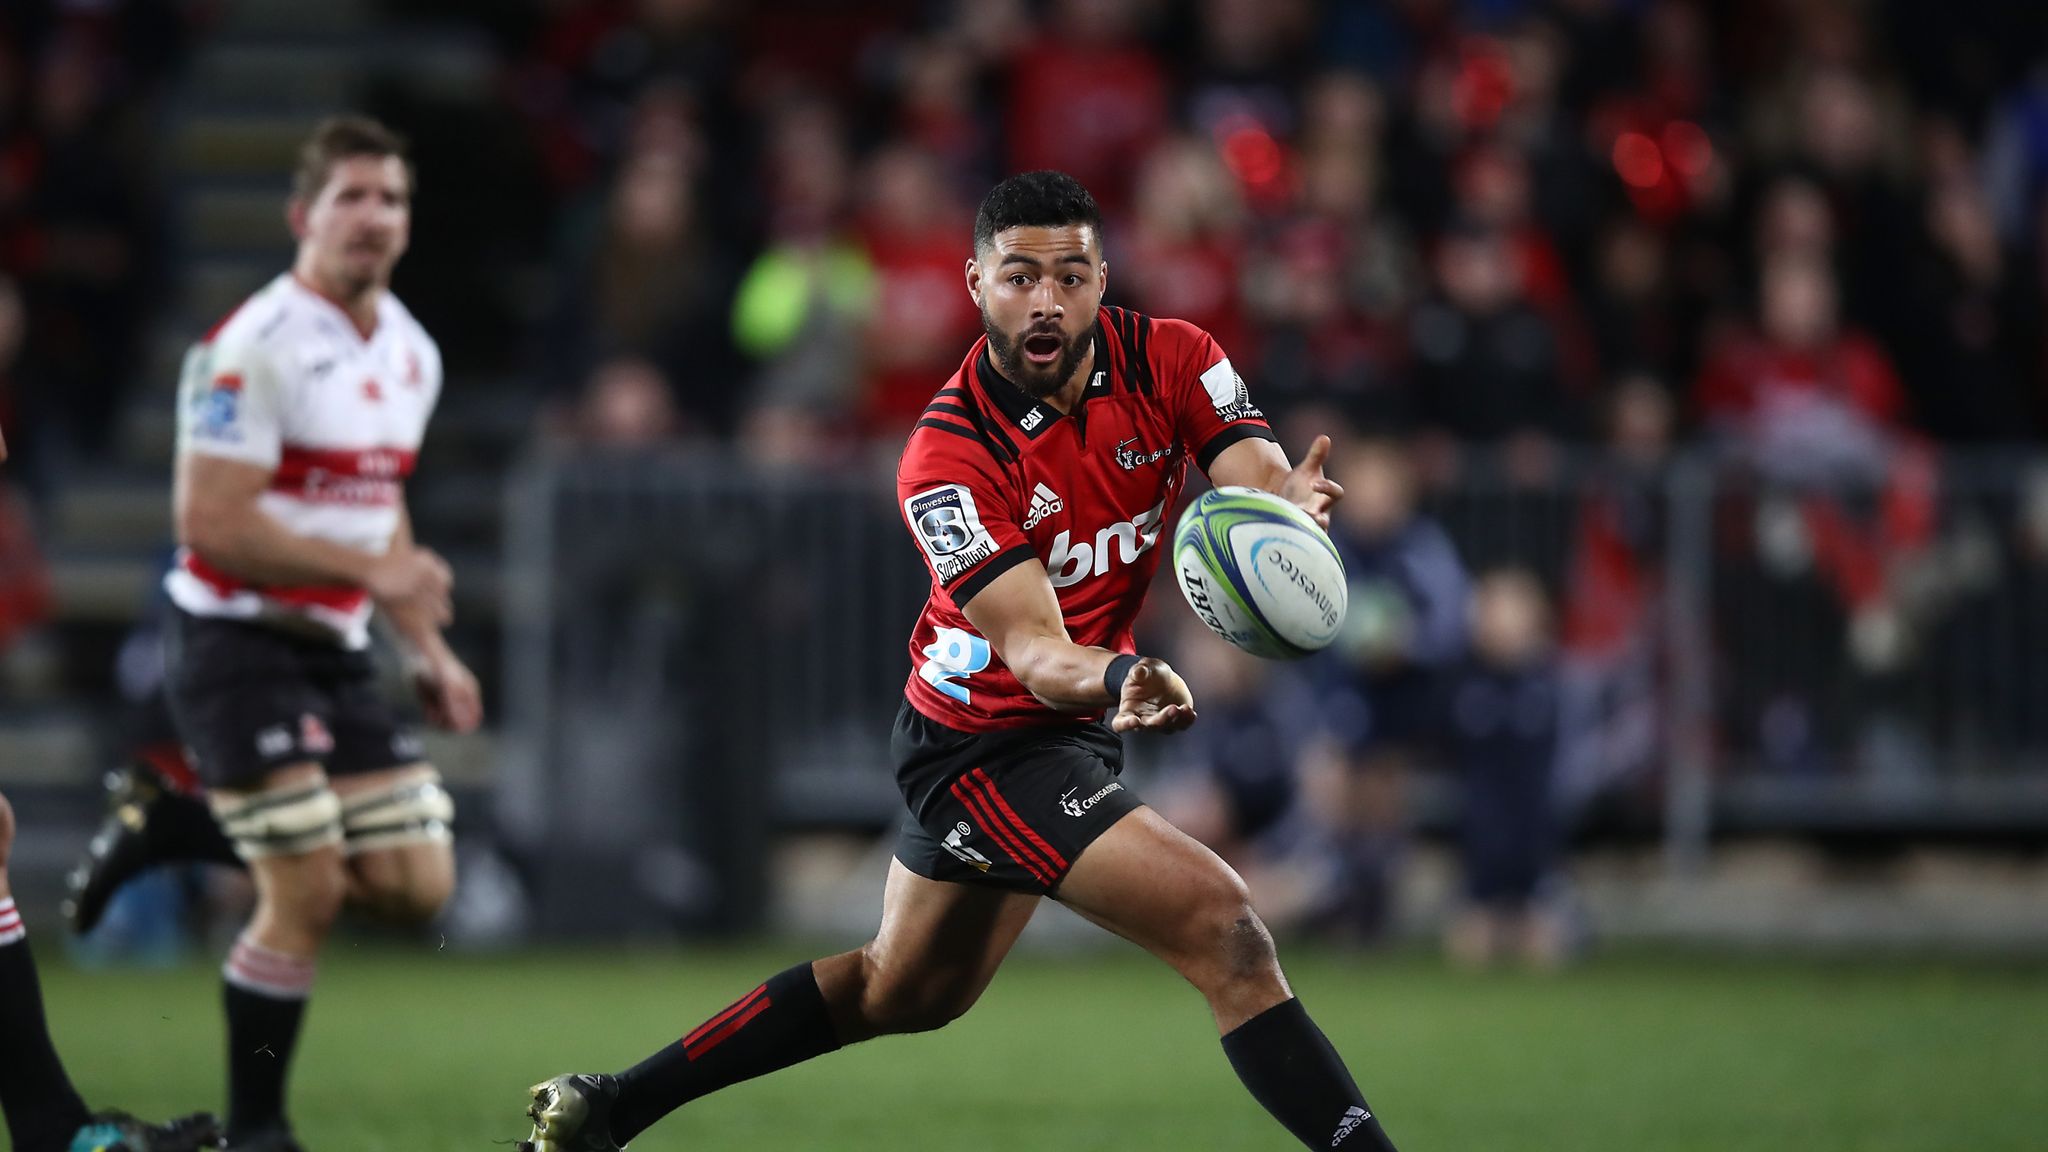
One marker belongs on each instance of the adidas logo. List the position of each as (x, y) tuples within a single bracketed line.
[(1044, 502), (1353, 1117)]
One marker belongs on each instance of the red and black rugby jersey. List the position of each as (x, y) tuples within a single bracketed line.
[(992, 477)]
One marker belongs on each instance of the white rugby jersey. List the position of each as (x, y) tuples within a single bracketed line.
[(289, 383)]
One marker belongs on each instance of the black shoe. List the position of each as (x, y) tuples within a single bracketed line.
[(120, 1132), (572, 1114), (148, 823)]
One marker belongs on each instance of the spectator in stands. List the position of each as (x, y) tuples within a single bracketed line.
[(802, 308), (654, 286), (1817, 411), (1502, 724), (89, 269), (921, 317), (1487, 363), (1612, 622), (627, 408), (1633, 315), (1975, 344), (1333, 278), (1086, 97), (1380, 682), (1186, 242)]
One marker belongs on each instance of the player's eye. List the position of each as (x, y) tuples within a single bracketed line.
[(1072, 281), (1019, 280)]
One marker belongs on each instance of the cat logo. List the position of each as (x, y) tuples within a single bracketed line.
[(968, 856)]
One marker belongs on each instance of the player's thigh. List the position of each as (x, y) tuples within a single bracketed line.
[(1161, 889)]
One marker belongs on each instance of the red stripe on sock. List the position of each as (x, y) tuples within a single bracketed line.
[(984, 815), (730, 1027), (735, 1007), (1059, 862)]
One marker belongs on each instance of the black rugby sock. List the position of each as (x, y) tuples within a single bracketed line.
[(42, 1107), (783, 1022), (1293, 1071), (266, 1001)]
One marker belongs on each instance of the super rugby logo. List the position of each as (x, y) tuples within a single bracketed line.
[(949, 529)]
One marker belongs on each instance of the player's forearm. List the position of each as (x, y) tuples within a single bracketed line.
[(1063, 675), (251, 546)]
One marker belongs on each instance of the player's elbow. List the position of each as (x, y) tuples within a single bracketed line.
[(210, 530)]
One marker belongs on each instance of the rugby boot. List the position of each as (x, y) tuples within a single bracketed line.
[(120, 1132), (150, 821), (572, 1114)]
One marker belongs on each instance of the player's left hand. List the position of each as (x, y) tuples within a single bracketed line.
[(1155, 697), (1308, 489), (6, 835), (449, 693)]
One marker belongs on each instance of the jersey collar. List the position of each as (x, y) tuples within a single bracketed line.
[(1032, 416)]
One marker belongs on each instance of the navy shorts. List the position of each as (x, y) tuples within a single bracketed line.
[(248, 699), (1010, 809)]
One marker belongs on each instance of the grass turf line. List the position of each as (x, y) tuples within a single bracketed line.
[(409, 1051)]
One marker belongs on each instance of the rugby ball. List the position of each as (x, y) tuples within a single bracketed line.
[(1260, 573)]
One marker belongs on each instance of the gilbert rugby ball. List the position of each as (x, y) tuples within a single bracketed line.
[(1260, 573)]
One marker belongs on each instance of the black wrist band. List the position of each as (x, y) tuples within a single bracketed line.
[(1113, 677)]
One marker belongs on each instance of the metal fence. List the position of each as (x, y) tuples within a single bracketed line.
[(697, 649)]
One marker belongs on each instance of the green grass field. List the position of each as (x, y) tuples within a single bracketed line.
[(1640, 1053)]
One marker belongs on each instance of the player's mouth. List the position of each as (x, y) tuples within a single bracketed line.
[(1043, 348)]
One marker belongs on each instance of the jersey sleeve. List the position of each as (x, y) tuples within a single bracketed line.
[(959, 511), (229, 402), (1212, 407)]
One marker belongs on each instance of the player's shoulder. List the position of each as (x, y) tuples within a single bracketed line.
[(1152, 350), (955, 433), (391, 310), (256, 324)]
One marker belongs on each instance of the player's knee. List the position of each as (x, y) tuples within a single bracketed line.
[(897, 1003), (1231, 943), (305, 892), (407, 888)]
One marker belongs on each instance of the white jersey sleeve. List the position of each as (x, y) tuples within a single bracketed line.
[(231, 401)]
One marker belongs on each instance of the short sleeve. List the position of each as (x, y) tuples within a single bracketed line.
[(1212, 407), (229, 403), (958, 511)]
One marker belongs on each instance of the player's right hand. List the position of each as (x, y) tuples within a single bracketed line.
[(414, 587), (1155, 698)]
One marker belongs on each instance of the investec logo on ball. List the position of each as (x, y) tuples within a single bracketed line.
[(1071, 563), (1285, 565), (949, 529)]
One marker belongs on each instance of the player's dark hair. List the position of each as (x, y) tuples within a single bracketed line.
[(339, 138), (1043, 199)]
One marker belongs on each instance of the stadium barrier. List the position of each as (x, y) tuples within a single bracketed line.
[(699, 651)]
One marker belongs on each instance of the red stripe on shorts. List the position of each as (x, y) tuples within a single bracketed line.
[(985, 815), (1058, 861)]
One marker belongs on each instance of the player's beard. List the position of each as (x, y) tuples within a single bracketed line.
[(1034, 380)]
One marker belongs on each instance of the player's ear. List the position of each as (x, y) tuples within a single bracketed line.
[(295, 217), (1102, 277), (974, 279)]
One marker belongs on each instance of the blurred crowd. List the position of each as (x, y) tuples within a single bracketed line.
[(1546, 244)]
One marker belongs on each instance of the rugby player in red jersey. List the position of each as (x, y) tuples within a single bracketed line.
[(43, 1108), (1037, 484)]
